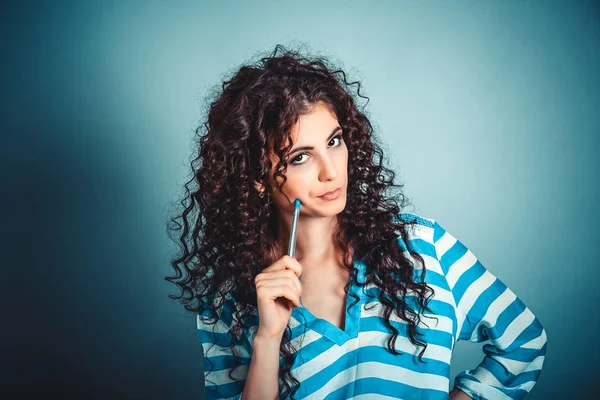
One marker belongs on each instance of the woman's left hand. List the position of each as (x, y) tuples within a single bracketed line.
[(456, 394)]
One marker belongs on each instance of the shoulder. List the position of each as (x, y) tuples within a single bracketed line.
[(415, 219), (418, 227), (424, 235)]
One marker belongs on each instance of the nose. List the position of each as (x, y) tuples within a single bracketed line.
[(327, 171)]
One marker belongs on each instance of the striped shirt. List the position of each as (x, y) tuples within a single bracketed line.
[(469, 303)]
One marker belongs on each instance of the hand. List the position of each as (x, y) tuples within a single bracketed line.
[(457, 394), (278, 291)]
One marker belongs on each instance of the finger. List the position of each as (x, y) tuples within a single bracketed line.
[(285, 281), (283, 263), (273, 292), (287, 273)]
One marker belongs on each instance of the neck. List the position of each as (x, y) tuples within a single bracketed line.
[(316, 247)]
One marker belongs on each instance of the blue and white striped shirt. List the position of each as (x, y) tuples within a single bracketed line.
[(469, 304)]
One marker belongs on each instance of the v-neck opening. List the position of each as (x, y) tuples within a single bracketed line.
[(351, 313)]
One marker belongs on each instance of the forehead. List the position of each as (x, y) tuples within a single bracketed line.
[(315, 125), (311, 127)]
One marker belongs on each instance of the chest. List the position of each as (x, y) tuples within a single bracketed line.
[(323, 296)]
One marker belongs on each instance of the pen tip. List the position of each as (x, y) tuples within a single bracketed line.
[(296, 204)]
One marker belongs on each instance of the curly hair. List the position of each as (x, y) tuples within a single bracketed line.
[(226, 229)]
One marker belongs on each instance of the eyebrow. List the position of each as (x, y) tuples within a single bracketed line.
[(338, 128)]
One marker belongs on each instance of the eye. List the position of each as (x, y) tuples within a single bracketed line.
[(337, 137), (295, 160)]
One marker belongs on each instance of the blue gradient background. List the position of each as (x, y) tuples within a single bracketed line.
[(489, 112)]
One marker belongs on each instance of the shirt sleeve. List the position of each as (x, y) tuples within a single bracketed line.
[(227, 355), (487, 310)]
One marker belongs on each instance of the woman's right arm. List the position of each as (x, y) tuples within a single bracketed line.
[(278, 291), (263, 376)]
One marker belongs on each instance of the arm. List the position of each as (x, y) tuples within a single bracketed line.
[(263, 376), (257, 376), (456, 394), (487, 310)]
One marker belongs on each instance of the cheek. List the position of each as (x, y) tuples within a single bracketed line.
[(343, 159), (299, 183)]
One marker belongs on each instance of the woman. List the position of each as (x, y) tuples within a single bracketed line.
[(374, 299)]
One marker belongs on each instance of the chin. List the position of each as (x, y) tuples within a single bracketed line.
[(333, 207)]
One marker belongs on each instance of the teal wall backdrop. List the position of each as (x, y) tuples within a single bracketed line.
[(489, 111)]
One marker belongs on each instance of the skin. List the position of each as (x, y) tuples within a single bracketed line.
[(319, 170), (456, 394)]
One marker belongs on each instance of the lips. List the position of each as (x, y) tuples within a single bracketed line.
[(331, 192)]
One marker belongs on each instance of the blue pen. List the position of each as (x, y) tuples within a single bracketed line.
[(294, 231)]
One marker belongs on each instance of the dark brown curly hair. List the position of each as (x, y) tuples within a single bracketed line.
[(225, 229)]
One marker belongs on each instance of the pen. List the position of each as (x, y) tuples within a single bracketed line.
[(292, 244), (293, 233)]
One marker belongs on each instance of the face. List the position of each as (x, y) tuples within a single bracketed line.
[(317, 163)]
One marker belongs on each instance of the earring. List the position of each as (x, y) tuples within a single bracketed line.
[(261, 195)]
